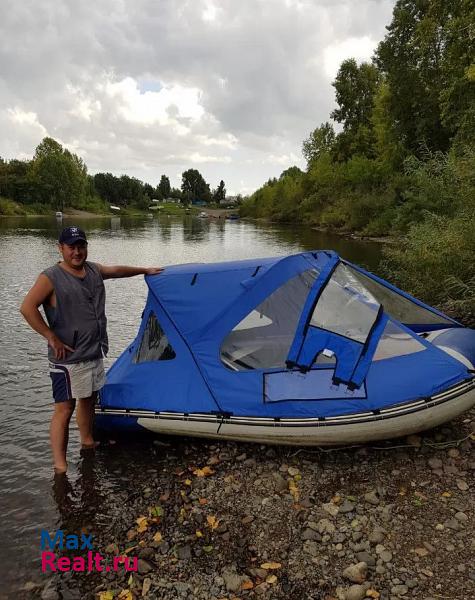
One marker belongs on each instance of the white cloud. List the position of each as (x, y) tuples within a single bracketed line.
[(361, 49), (145, 88), (155, 107)]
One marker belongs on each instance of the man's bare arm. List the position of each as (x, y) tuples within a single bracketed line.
[(39, 293), (117, 271)]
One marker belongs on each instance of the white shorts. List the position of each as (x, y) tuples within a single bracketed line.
[(78, 380)]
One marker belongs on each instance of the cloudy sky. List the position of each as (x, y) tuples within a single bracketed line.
[(145, 87)]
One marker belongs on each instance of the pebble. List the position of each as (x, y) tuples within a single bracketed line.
[(310, 534), (49, 592), (356, 573), (435, 463), (347, 507), (462, 485), (355, 592), (399, 590), (367, 558), (232, 580), (462, 517), (184, 552), (325, 526), (377, 536), (372, 498), (331, 509), (30, 586), (386, 556), (452, 524), (143, 566), (311, 547)]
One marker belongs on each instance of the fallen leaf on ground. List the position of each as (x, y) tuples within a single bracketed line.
[(156, 511), (269, 566), (271, 579), (372, 593), (212, 522), (125, 595), (421, 551), (294, 490), (446, 494), (208, 548), (203, 501), (157, 537), (198, 533), (204, 472), (106, 595), (147, 583), (142, 524), (247, 585)]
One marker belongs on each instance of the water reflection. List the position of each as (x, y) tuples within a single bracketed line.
[(115, 223), (78, 505)]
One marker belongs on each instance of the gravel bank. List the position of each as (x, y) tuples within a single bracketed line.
[(223, 520)]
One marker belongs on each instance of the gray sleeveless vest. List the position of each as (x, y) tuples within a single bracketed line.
[(79, 319)]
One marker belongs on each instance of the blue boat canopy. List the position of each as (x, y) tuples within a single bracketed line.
[(306, 335)]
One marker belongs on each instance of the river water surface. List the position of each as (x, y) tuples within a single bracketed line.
[(30, 500)]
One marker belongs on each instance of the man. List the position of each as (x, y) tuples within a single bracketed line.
[(73, 297)]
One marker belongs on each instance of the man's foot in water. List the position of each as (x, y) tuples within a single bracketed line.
[(90, 446), (60, 469)]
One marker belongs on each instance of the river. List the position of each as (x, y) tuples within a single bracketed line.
[(30, 501)]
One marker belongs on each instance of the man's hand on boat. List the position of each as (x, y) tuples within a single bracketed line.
[(154, 270)]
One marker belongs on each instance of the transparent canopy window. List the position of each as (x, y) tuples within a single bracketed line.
[(263, 338), (396, 342), (396, 306), (345, 307), (154, 344)]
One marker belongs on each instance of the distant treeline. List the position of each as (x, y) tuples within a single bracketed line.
[(56, 178), (403, 160)]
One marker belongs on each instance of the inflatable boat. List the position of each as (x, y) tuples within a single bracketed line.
[(306, 349)]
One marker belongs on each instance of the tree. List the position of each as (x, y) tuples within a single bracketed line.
[(194, 187), (164, 187), (412, 56), (60, 175), (355, 88), (108, 188), (322, 139), (131, 189), (219, 194)]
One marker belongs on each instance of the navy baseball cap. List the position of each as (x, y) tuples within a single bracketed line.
[(72, 235)]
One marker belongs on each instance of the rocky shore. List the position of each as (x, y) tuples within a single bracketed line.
[(222, 521)]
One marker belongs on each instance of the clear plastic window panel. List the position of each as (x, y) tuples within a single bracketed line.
[(345, 306), (396, 342), (263, 338), (154, 344), (396, 306)]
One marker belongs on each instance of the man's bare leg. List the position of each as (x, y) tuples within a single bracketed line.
[(59, 433), (85, 420)]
